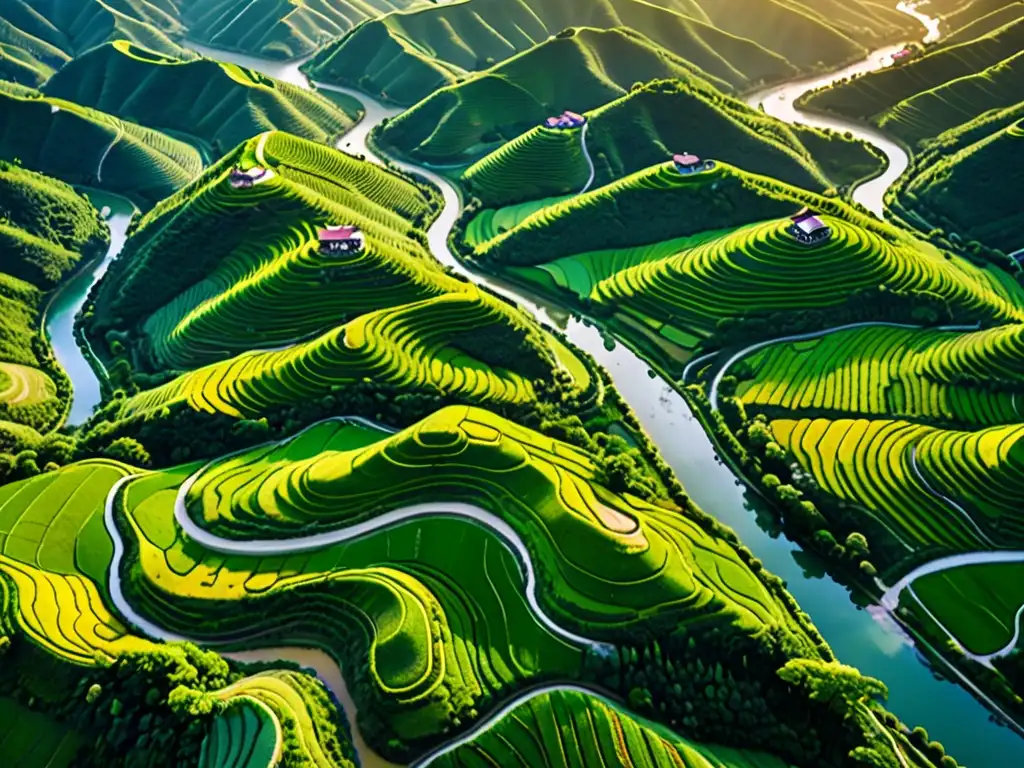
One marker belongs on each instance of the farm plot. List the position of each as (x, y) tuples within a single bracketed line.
[(54, 556), (566, 728), (21, 385), (410, 346), (980, 605), (32, 740), (609, 561), (243, 736), (437, 607), (966, 378)]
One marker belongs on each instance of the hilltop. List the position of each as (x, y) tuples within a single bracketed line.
[(279, 29), (39, 38), (222, 104), (405, 56), (487, 108), (47, 230), (649, 124), (85, 146)]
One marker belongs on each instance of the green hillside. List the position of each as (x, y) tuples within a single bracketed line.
[(568, 728), (594, 66), (222, 104), (46, 232), (870, 95), (279, 29), (215, 270), (953, 185), (929, 113), (404, 57), (85, 146), (38, 38), (647, 126)]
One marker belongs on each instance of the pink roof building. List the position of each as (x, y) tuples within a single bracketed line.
[(902, 55), (566, 120), (244, 179), (340, 239), (808, 229), (689, 163)]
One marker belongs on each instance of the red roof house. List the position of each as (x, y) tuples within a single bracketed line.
[(340, 239)]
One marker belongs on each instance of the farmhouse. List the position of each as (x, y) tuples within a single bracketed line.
[(904, 54), (808, 229), (245, 179), (340, 239), (566, 120), (687, 163)]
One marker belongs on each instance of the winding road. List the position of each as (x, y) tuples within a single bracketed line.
[(589, 159)]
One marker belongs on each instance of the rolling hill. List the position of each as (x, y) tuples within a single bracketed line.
[(222, 104), (279, 29), (38, 38), (404, 57), (595, 66), (88, 147), (648, 125), (951, 185), (873, 94)]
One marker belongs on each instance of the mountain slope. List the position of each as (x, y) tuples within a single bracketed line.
[(84, 146), (223, 104)]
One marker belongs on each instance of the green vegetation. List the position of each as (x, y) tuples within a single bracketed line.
[(404, 57), (31, 740), (244, 735), (46, 231), (978, 604), (952, 182), (645, 127), (84, 146), (567, 728), (221, 104), (871, 95), (279, 29), (37, 39)]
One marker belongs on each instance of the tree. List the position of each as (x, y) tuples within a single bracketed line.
[(857, 545), (837, 686)]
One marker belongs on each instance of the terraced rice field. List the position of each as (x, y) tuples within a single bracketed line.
[(648, 557), (242, 736), (895, 372), (410, 346), (543, 162), (761, 266), (492, 222), (310, 729), (567, 728), (980, 605), (21, 385), (55, 552), (31, 740)]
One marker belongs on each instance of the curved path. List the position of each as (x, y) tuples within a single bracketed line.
[(946, 499), (590, 160), (106, 153)]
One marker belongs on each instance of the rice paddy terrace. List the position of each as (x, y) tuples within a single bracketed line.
[(506, 572), (220, 104)]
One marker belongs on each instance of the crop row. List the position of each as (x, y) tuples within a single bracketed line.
[(898, 372), (409, 346)]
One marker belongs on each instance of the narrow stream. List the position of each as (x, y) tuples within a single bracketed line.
[(59, 323), (865, 638)]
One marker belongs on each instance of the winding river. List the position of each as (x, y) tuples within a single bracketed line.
[(864, 637)]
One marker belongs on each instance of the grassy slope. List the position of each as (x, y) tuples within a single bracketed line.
[(36, 39), (33, 740), (954, 186), (279, 29), (406, 56), (649, 124), (567, 728), (222, 104), (594, 66), (871, 95), (69, 141)]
